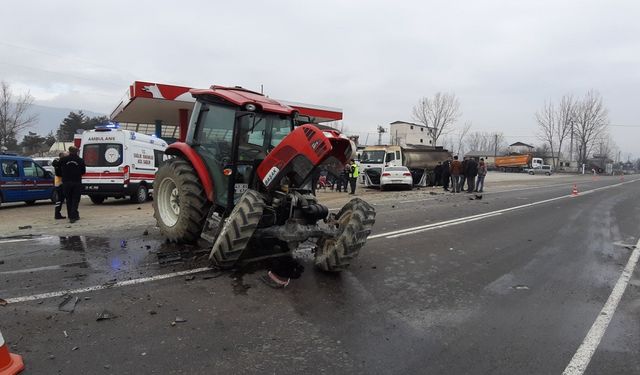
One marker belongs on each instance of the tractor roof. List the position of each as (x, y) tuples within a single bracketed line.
[(241, 96)]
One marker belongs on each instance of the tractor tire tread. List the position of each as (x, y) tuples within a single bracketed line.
[(237, 230), (194, 203), (335, 255)]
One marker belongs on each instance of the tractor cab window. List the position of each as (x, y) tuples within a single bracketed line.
[(215, 130), (281, 128), (252, 138), (213, 141)]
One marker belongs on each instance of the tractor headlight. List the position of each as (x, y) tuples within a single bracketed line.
[(250, 107)]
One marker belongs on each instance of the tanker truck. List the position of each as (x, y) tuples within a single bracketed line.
[(421, 161), (517, 163)]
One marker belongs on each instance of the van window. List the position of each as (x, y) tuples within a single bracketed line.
[(391, 157), (32, 169), (10, 168), (102, 154)]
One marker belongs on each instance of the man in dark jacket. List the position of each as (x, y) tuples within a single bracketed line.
[(446, 174), (463, 174), (72, 167), (438, 174), (471, 173)]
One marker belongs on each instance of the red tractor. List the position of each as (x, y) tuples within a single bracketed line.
[(242, 180)]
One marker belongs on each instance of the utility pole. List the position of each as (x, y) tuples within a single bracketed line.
[(380, 131), (571, 145), (495, 146)]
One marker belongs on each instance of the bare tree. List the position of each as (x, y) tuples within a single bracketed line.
[(461, 137), (13, 113), (485, 141), (590, 120), (564, 118), (438, 113), (606, 147), (547, 122)]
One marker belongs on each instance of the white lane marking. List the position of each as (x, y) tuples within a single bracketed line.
[(106, 286), (585, 352), (35, 269), (19, 240), (445, 225), (524, 187), (34, 238), (467, 219)]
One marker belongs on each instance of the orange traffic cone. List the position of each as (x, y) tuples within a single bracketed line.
[(10, 364), (574, 191)]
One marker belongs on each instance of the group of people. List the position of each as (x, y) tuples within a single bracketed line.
[(346, 181), (69, 168), (456, 173)]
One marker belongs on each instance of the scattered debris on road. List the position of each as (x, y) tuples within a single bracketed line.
[(69, 303), (25, 227), (105, 315), (521, 287)]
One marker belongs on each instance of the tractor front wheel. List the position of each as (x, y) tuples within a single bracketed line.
[(354, 221), (180, 204), (237, 230)]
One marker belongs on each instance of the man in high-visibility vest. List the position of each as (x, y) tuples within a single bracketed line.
[(353, 176)]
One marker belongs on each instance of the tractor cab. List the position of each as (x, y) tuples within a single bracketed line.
[(232, 141)]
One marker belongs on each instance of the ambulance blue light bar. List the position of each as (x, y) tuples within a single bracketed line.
[(108, 126)]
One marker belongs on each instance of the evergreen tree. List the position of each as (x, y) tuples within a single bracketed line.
[(77, 121), (50, 139), (33, 143)]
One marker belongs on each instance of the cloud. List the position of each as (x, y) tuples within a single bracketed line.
[(374, 59)]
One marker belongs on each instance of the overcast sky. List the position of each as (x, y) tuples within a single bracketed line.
[(373, 59)]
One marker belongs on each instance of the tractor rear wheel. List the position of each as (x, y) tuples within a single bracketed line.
[(180, 205), (237, 230), (355, 220)]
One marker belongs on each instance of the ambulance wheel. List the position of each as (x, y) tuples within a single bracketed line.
[(354, 223), (141, 195), (180, 203), (96, 199)]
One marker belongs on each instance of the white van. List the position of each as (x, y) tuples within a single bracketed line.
[(120, 163)]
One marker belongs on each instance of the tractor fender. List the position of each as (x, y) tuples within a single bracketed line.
[(186, 151)]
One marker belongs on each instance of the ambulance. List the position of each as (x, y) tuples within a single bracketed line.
[(120, 163)]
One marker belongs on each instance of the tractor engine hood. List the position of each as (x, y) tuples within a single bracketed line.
[(305, 150)]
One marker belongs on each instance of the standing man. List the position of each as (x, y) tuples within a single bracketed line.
[(446, 174), (438, 174), (342, 179), (353, 176), (472, 172), (73, 168), (57, 182), (456, 172), (463, 173), (482, 172)]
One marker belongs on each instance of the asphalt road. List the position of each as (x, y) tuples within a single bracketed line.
[(509, 284)]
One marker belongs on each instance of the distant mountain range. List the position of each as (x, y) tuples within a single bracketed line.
[(49, 118)]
